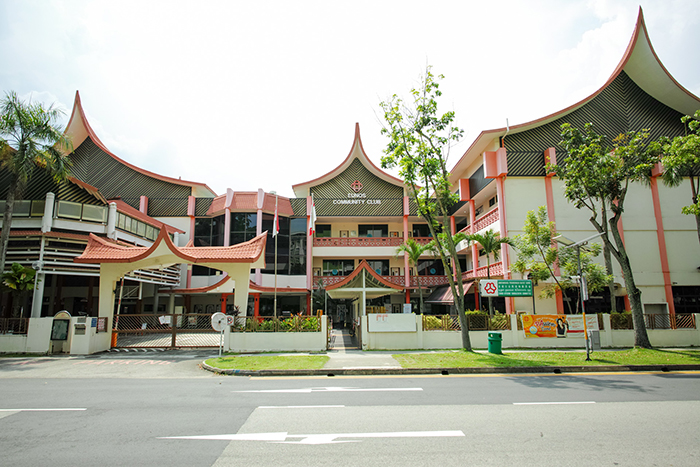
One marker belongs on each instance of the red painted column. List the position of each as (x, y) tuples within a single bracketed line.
[(406, 265), (190, 213), (256, 304), (663, 255), (308, 304), (505, 254), (309, 247), (550, 157)]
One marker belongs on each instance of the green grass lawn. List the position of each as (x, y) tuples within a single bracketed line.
[(269, 362), (462, 359)]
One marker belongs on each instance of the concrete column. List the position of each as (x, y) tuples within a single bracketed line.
[(47, 220), (112, 221), (38, 297), (155, 298), (171, 304), (608, 331)]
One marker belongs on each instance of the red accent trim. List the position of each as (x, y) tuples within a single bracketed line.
[(663, 255), (363, 265), (356, 141), (625, 58), (80, 113)]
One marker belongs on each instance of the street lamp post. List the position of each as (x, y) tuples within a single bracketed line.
[(583, 290)]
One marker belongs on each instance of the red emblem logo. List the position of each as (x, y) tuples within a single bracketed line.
[(490, 288), (356, 186)]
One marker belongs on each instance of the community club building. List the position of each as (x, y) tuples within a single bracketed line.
[(338, 237)]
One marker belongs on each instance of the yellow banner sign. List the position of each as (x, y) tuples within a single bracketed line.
[(545, 325)]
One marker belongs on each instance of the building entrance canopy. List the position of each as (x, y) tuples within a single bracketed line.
[(362, 282)]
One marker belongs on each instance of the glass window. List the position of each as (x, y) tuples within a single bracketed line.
[(322, 230), (430, 268), (421, 230), (380, 266), (94, 213), (381, 230), (65, 209), (37, 208), (338, 267)]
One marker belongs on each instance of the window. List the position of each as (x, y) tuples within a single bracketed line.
[(421, 230), (368, 230), (67, 209), (430, 268), (493, 201), (338, 267), (94, 213), (380, 266), (37, 208), (323, 230)]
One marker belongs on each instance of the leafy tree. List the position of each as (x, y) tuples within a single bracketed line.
[(597, 176), (491, 244), (538, 255), (680, 157), (30, 138), (414, 251), (419, 145), (19, 281)]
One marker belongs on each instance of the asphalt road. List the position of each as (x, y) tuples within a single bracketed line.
[(161, 409)]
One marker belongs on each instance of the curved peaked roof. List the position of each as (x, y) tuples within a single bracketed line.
[(357, 151), (363, 266), (100, 250), (79, 130), (639, 62)]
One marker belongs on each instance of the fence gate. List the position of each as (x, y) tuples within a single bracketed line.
[(164, 331)]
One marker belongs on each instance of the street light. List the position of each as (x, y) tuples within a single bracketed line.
[(583, 290)]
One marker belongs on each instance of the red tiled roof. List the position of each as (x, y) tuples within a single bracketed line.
[(136, 214), (217, 205), (100, 250)]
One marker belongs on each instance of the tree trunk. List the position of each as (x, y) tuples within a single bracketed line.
[(611, 285), (7, 220), (641, 338)]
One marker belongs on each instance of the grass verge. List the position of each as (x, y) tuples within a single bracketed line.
[(462, 359), (269, 362)]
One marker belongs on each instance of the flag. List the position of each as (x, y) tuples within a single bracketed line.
[(312, 217), (276, 222)]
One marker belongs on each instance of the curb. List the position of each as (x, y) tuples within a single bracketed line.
[(451, 371)]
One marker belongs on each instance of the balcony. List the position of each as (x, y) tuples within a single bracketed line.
[(365, 241), (425, 281), (496, 270), (484, 221)]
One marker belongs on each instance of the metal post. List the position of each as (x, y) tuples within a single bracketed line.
[(583, 303)]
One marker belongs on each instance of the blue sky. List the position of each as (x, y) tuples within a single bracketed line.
[(266, 94)]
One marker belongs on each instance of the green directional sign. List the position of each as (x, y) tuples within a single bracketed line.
[(506, 288)]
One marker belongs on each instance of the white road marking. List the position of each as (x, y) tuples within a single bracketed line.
[(553, 403), (320, 438), (299, 406), (39, 410), (331, 389)]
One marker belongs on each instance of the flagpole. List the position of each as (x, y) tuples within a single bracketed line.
[(275, 230)]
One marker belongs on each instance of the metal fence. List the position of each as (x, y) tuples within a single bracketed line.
[(654, 321), (151, 330), (476, 323), (271, 324), (14, 325)]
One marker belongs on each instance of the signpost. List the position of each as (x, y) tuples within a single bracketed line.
[(507, 288), (219, 321)]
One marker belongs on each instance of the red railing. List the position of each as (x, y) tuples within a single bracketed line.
[(358, 241), (425, 281), (483, 221), (496, 270), (366, 241)]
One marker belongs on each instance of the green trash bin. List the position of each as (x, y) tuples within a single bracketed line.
[(495, 342)]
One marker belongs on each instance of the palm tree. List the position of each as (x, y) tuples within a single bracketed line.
[(414, 250), (30, 138), (19, 281), (491, 244)]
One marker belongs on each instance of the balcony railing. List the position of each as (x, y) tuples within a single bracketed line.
[(496, 270), (425, 281), (358, 241), (484, 221)]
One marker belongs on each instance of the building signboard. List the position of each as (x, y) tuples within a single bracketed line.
[(505, 288)]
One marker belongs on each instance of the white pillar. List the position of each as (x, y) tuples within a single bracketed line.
[(112, 221), (38, 297), (47, 220)]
